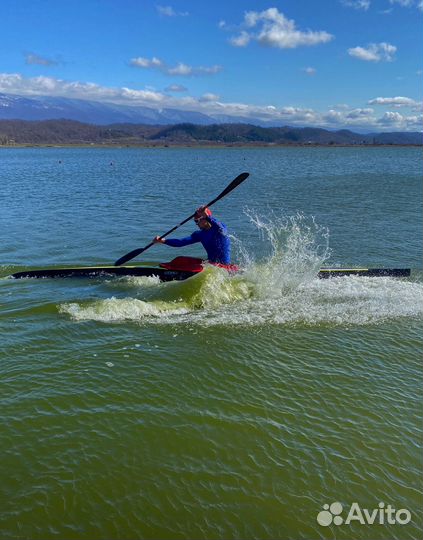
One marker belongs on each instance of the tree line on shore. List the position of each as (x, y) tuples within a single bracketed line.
[(62, 132)]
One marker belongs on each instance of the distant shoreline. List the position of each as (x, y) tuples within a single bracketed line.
[(69, 133), (118, 146)]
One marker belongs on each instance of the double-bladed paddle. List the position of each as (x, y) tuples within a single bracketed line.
[(235, 183)]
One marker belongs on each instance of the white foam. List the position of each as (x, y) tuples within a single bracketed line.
[(282, 288), (114, 310), (338, 301), (144, 282)]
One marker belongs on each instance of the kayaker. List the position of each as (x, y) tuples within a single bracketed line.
[(213, 235)]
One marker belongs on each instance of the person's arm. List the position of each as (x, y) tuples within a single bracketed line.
[(178, 242)]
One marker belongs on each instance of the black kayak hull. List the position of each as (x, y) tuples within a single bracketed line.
[(165, 274), (105, 271)]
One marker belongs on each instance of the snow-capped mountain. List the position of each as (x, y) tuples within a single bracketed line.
[(13, 107)]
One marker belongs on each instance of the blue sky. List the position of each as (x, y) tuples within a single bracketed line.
[(327, 63)]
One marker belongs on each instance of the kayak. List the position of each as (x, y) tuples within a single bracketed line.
[(178, 269), (182, 268)]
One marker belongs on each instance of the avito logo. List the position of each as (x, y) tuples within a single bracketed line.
[(382, 515)]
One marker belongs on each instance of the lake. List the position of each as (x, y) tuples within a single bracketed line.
[(219, 407)]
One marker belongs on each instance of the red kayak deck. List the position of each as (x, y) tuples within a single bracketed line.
[(193, 264)]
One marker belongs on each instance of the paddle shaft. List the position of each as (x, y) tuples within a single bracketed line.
[(235, 183)]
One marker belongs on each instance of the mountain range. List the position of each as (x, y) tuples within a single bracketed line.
[(61, 132), (13, 107), (59, 120)]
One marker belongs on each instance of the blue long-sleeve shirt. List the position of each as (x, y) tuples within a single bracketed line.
[(215, 241)]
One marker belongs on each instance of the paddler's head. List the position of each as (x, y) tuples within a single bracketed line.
[(200, 217)]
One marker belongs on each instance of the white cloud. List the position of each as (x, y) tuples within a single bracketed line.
[(176, 88), (137, 95), (168, 11), (360, 113), (272, 29), (398, 101), (310, 71), (48, 86), (357, 4), (146, 63), (341, 106), (209, 97), (365, 119), (391, 118), (35, 59), (403, 3), (242, 40), (333, 116), (359, 119), (394, 120), (375, 52), (180, 69), (414, 122), (409, 3), (183, 69), (349, 118)]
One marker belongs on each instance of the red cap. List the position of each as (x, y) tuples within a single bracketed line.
[(207, 211)]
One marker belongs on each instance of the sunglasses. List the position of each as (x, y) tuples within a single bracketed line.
[(197, 220)]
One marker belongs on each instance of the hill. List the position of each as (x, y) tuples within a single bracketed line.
[(62, 132)]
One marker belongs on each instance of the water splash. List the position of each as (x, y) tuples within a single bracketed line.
[(297, 247), (280, 287)]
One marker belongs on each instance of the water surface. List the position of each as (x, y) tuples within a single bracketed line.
[(217, 407)]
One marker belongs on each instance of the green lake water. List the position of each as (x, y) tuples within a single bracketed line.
[(220, 407)]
